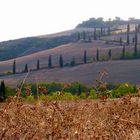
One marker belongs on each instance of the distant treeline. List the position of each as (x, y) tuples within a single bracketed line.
[(100, 22)]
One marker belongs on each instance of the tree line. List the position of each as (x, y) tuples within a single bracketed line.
[(85, 59), (84, 36)]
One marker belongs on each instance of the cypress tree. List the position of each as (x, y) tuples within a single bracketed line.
[(108, 30), (2, 91), (97, 55), (104, 31), (50, 62), (79, 89), (95, 35), (123, 52), (109, 54), (61, 63), (26, 68), (128, 30), (73, 62), (136, 42), (38, 65), (138, 28), (14, 67), (120, 40), (85, 57), (84, 36), (101, 31), (133, 40), (79, 36)]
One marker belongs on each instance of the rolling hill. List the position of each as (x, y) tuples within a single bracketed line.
[(67, 44), (25, 46), (118, 72)]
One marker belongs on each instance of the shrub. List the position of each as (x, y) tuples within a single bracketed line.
[(76, 88), (9, 91), (122, 90), (8, 72), (83, 95), (30, 99), (54, 87), (42, 97), (93, 94), (65, 96)]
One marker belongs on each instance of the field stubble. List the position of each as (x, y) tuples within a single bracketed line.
[(71, 120)]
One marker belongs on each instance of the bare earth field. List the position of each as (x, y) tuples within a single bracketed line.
[(68, 51), (72, 120), (118, 71)]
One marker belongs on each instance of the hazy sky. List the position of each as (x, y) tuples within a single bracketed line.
[(22, 18)]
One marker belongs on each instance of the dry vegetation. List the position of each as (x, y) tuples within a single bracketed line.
[(78, 119)]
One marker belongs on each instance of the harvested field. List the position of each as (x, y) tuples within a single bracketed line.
[(71, 120)]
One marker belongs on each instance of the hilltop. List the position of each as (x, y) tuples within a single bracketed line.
[(26, 46)]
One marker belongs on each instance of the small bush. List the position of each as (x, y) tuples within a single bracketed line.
[(93, 94), (42, 97), (83, 95), (8, 72), (9, 91), (65, 96), (30, 99), (76, 88), (122, 90)]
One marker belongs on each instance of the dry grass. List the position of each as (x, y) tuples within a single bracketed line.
[(71, 120)]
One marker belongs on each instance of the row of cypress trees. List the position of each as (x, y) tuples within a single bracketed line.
[(102, 31), (61, 64), (73, 61), (61, 61)]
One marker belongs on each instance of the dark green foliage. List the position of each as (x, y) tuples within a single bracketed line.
[(95, 34), (128, 30), (79, 90), (79, 36), (84, 36), (123, 53), (101, 31), (2, 92), (14, 67), (61, 63), (133, 40), (50, 62), (73, 62), (97, 55), (122, 90), (108, 31), (109, 54), (104, 31), (53, 87), (85, 57), (76, 88), (38, 65), (26, 68)]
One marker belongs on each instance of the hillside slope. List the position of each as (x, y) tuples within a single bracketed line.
[(118, 71), (68, 51)]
